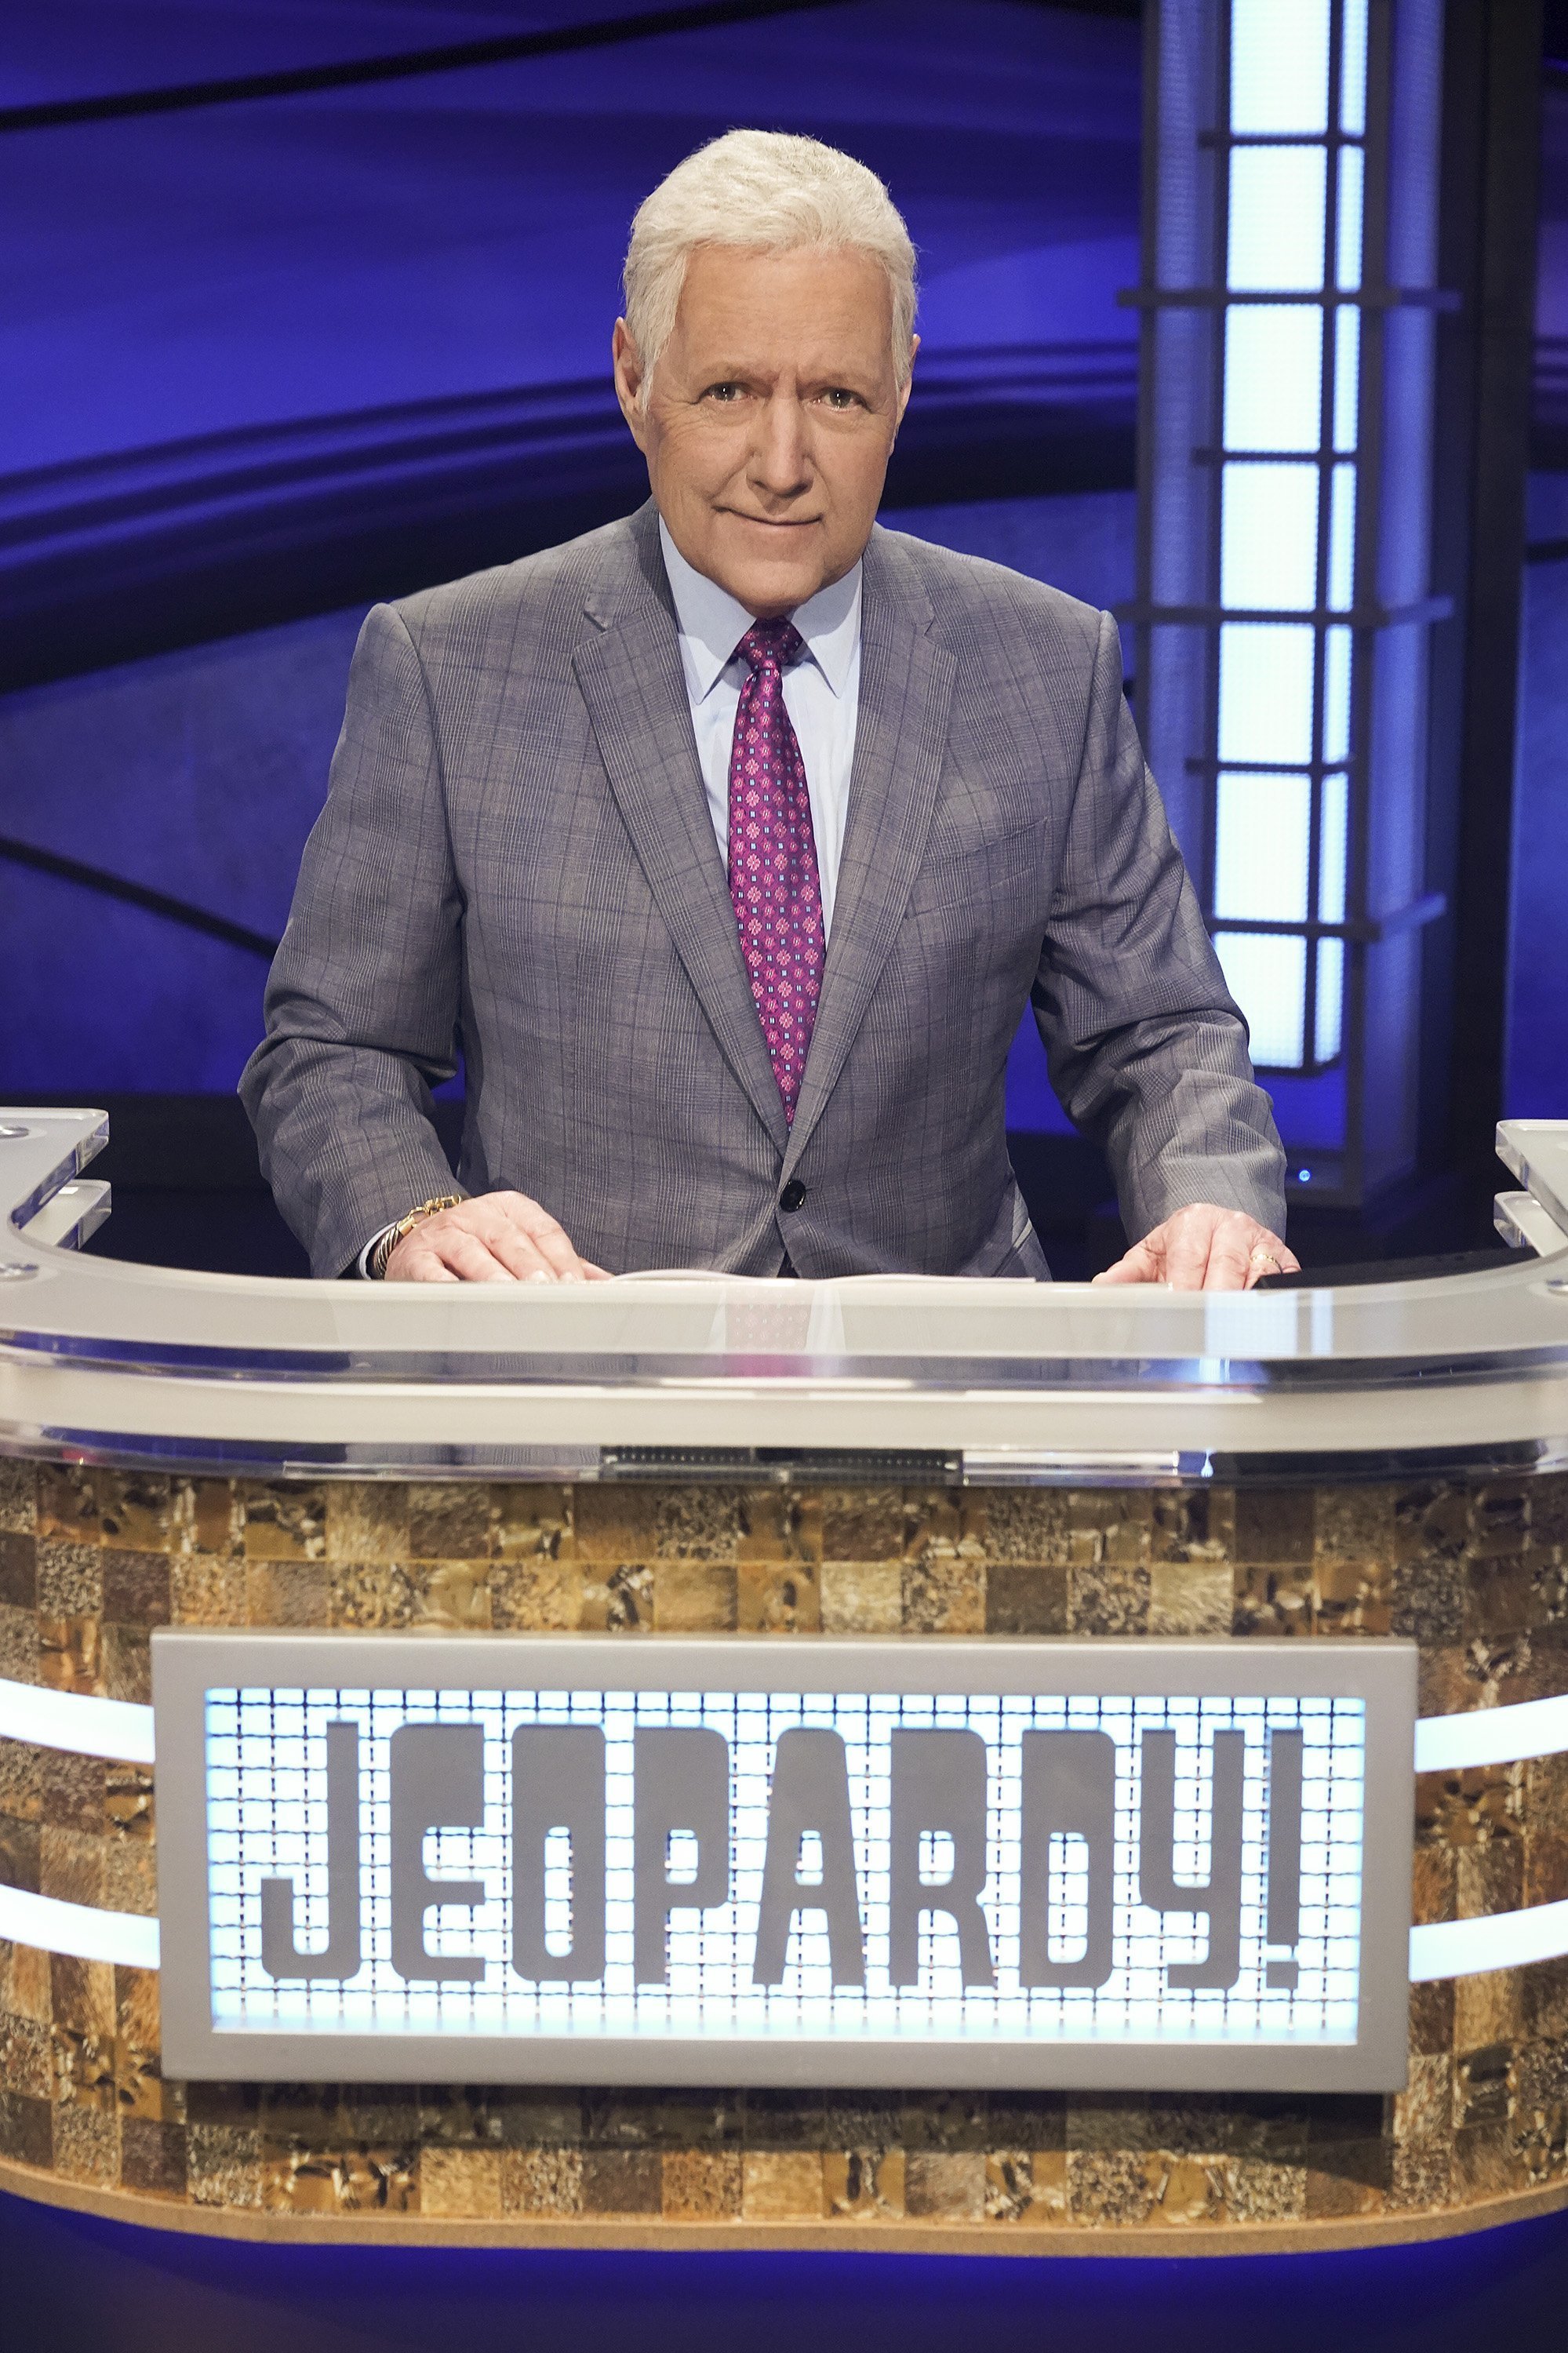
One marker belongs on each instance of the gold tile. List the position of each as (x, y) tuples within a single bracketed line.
[(949, 2183), (281, 1591), (780, 1526), (18, 1492), (134, 1510), (533, 1522), (70, 1579), (207, 1516), (1111, 2186), (26, 2057), (1028, 1524), (696, 1523), (87, 2145), (84, 2068), (206, 1592), (1272, 1600), (1192, 1524), (537, 1596), (541, 2182), (616, 1600), (944, 1590), (460, 2181), (1025, 1598), (25, 1988), (20, 1649), (867, 2183), (778, 1597), (71, 1866), (701, 2185), (862, 1597), (782, 2186), (130, 1877), (863, 1524), (1109, 1598), (694, 1596), (70, 1654), (68, 1502), (224, 2166), (283, 1523), (446, 1521), (1192, 1597), (128, 1664), (615, 1524), (1487, 2008), (366, 1520), (81, 1994)]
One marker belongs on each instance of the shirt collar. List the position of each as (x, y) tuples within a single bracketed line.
[(712, 622)]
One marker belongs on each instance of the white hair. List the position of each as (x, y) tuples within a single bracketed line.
[(775, 192)]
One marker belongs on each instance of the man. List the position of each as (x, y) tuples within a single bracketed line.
[(727, 845)]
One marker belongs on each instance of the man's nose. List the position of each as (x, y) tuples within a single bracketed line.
[(781, 458)]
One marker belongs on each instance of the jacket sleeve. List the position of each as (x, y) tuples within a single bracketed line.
[(362, 1004), (1147, 1050)]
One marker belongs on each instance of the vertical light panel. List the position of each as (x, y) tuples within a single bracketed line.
[(1294, 203)]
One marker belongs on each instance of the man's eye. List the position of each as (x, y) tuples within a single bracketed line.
[(838, 396), (728, 392)]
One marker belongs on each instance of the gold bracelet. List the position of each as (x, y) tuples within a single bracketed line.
[(381, 1255)]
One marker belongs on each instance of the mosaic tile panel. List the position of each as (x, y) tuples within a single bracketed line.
[(91, 1560)]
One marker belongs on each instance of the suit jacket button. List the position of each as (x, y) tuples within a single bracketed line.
[(792, 1196)]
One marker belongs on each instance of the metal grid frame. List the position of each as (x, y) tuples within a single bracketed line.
[(1366, 616)]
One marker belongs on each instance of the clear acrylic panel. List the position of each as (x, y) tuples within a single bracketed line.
[(1336, 694), (1347, 376), (1329, 1016), (1279, 66), (1348, 226), (1268, 537), (1277, 214), (1274, 376), (1353, 67), (1263, 830), (1333, 848), (1266, 972), (1343, 538), (1265, 692)]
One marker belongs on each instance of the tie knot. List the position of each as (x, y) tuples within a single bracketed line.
[(772, 643)]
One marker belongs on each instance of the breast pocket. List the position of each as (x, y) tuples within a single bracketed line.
[(1006, 872)]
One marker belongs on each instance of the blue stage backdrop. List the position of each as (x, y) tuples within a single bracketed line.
[(266, 359)]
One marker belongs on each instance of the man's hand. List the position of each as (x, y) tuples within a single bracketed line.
[(1204, 1249), (497, 1237)]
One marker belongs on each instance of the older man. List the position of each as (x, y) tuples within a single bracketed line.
[(727, 845)]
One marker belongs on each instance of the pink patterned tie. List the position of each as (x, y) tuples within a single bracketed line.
[(773, 875)]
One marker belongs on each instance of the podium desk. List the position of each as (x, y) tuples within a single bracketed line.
[(888, 1763)]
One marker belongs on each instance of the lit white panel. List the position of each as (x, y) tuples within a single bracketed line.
[(1348, 229), (1274, 376), (1279, 66), (1268, 537), (1508, 1940), (1333, 848), (1276, 214), (1266, 975), (1265, 692), (87, 1726), (1329, 1013), (1343, 538), (1347, 377), (1491, 1735), (1262, 840), (1354, 69), (50, 1926), (1336, 694)]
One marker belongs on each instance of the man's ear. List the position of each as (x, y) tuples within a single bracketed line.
[(907, 387), (628, 364)]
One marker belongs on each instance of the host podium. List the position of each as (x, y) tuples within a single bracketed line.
[(1096, 1618)]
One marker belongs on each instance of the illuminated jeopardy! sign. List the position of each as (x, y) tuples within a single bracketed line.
[(1155, 1864)]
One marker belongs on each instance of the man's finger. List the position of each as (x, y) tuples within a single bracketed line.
[(546, 1234), (1187, 1252), (519, 1253), (1139, 1265), (469, 1258), (422, 1266), (1231, 1264)]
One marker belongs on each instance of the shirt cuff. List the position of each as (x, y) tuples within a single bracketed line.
[(362, 1263)]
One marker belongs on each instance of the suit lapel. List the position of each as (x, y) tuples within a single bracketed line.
[(632, 682), (905, 687)]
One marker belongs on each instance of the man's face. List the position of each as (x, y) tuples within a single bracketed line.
[(770, 417)]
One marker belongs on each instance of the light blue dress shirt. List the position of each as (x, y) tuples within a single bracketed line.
[(821, 694)]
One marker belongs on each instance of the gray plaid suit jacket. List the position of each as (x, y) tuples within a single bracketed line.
[(516, 861)]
